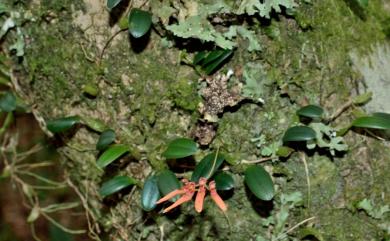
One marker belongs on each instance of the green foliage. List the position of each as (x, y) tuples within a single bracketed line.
[(62, 124), (116, 184), (168, 182), (326, 138), (111, 154), (139, 22), (311, 111), (106, 138), (224, 181), (379, 121), (211, 61), (299, 133), (179, 148), (252, 7), (374, 212), (255, 79), (150, 193), (7, 102), (93, 123), (112, 3), (207, 166), (259, 182)]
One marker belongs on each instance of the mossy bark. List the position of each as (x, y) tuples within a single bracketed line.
[(148, 97)]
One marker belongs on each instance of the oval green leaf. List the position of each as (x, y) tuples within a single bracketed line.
[(199, 57), (112, 3), (299, 133), (62, 124), (224, 181), (179, 148), (111, 154), (311, 111), (168, 182), (378, 121), (150, 194), (116, 184), (207, 166), (212, 56), (7, 102), (139, 22), (259, 182), (106, 138)]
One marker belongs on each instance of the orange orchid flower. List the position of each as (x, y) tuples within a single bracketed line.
[(216, 198), (187, 191), (201, 194)]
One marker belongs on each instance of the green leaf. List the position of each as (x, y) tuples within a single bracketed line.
[(207, 166), (224, 181), (377, 121), (112, 3), (259, 182), (362, 3), (310, 232), (299, 133), (209, 69), (7, 102), (62, 124), (150, 193), (168, 182), (284, 151), (139, 22), (111, 154), (94, 124), (199, 57), (382, 115), (212, 56), (179, 148), (34, 214), (105, 139), (311, 111), (362, 99), (116, 184)]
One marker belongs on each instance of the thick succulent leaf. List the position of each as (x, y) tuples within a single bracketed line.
[(106, 138), (150, 193), (112, 3), (168, 182), (378, 121), (224, 181), (179, 148), (7, 102), (62, 124), (207, 166), (311, 111), (116, 184), (111, 154), (139, 22), (299, 133), (259, 182)]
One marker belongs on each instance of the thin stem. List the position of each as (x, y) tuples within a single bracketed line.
[(214, 162), (58, 225), (340, 110), (303, 158), (282, 236), (264, 159)]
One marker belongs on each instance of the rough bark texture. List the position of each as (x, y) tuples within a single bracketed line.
[(148, 98)]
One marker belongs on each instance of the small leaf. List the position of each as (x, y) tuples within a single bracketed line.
[(106, 138), (111, 154), (94, 124), (363, 3), (311, 111), (259, 182), (212, 56), (224, 181), (7, 102), (362, 99), (139, 22), (284, 151), (309, 232), (378, 121), (62, 124), (91, 89), (150, 193), (209, 69), (112, 3), (34, 214), (299, 133), (179, 148), (116, 184), (206, 167), (168, 182)]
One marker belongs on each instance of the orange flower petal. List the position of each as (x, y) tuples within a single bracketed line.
[(189, 193), (216, 198), (171, 195)]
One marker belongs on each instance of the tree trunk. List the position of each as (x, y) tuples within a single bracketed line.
[(325, 53)]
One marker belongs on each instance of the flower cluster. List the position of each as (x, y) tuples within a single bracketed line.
[(188, 191)]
